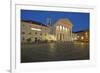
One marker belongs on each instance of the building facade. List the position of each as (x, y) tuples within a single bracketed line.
[(82, 36), (32, 31)]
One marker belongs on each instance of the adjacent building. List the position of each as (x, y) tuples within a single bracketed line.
[(82, 36)]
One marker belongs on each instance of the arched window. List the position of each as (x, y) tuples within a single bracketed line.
[(35, 33), (23, 32)]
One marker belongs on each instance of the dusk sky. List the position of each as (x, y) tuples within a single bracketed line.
[(80, 21)]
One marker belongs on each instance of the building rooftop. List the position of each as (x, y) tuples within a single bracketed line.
[(64, 22), (34, 22), (81, 31)]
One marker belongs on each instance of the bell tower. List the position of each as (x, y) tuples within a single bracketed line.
[(49, 21)]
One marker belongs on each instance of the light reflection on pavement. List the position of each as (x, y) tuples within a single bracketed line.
[(59, 51)]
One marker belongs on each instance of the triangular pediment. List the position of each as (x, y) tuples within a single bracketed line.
[(64, 22)]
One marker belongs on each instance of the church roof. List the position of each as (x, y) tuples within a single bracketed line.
[(64, 22)]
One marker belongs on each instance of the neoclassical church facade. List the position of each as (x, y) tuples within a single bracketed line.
[(63, 30), (32, 31)]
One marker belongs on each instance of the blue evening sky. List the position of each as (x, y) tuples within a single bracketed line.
[(79, 20)]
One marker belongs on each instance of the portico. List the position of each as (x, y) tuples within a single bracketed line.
[(63, 30)]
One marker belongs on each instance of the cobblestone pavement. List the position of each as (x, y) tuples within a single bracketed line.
[(59, 51)]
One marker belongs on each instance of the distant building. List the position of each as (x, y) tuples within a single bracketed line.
[(82, 36), (32, 31), (74, 36)]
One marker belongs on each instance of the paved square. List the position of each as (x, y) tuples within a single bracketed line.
[(55, 51)]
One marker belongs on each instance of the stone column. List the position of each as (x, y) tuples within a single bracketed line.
[(61, 37), (71, 34)]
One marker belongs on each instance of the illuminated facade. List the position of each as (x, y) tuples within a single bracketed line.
[(37, 32), (33, 31), (63, 30), (82, 36)]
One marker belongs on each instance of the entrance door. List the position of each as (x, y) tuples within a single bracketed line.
[(60, 37)]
